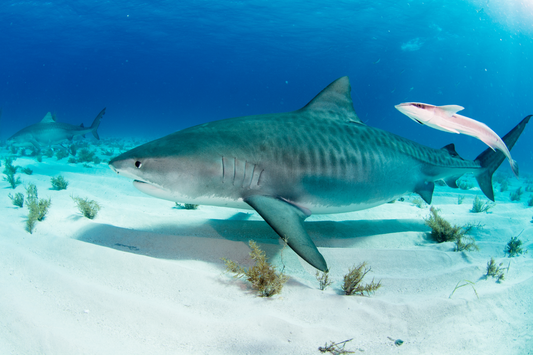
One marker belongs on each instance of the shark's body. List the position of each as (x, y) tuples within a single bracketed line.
[(319, 159), (50, 132), (445, 118)]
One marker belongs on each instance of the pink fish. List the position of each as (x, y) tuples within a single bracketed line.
[(445, 118)]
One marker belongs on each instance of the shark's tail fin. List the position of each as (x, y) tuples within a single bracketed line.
[(96, 123), (490, 160)]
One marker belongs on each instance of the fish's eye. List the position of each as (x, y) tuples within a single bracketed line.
[(138, 164)]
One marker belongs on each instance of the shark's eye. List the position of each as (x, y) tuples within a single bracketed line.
[(138, 164)]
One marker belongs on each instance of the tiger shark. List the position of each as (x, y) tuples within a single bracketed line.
[(318, 159), (50, 132)]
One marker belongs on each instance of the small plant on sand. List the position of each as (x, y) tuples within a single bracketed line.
[(37, 211), (186, 206), (39, 208), (12, 180), (504, 186), (460, 199), (352, 281), (466, 283), (9, 171), (49, 153), (263, 276), (85, 155), (495, 271), (88, 208), (530, 201), (336, 348), (27, 171), (442, 231), (59, 183), (31, 192), (516, 195), (464, 184), (323, 279), (17, 200), (61, 153), (418, 202), (479, 207), (514, 247)]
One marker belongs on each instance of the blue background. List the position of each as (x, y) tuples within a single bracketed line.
[(160, 66)]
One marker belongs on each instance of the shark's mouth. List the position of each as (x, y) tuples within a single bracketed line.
[(151, 189)]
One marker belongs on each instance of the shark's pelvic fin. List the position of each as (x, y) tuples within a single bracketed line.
[(335, 98), (287, 220), (48, 118), (425, 190), (490, 160)]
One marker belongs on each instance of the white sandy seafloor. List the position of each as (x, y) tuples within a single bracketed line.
[(146, 278)]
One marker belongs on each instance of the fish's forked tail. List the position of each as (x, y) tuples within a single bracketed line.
[(96, 123), (490, 160)]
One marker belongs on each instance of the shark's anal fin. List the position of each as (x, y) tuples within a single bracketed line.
[(287, 220), (425, 190)]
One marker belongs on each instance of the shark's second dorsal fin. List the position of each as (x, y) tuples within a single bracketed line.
[(335, 98), (48, 118), (450, 148)]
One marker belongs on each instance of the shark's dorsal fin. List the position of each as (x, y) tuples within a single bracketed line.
[(451, 109), (335, 98), (450, 148), (48, 118)]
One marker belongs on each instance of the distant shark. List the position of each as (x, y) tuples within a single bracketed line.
[(49, 132), (318, 159), (445, 118)]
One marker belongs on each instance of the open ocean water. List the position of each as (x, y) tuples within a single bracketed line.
[(161, 66)]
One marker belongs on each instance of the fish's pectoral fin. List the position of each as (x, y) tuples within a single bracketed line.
[(425, 190), (36, 144), (451, 109), (287, 220)]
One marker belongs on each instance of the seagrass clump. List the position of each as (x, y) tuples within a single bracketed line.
[(442, 231), (88, 208), (352, 281), (262, 276)]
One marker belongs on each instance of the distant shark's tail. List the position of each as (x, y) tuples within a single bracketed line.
[(490, 160), (96, 123)]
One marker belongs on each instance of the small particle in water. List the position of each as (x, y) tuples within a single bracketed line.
[(398, 342), (286, 82)]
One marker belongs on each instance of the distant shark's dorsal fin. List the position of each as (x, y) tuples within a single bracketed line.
[(48, 118), (335, 98), (451, 109)]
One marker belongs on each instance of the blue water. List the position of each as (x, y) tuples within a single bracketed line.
[(160, 66)]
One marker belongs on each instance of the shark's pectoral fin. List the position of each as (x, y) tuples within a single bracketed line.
[(287, 220), (425, 190), (36, 144)]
